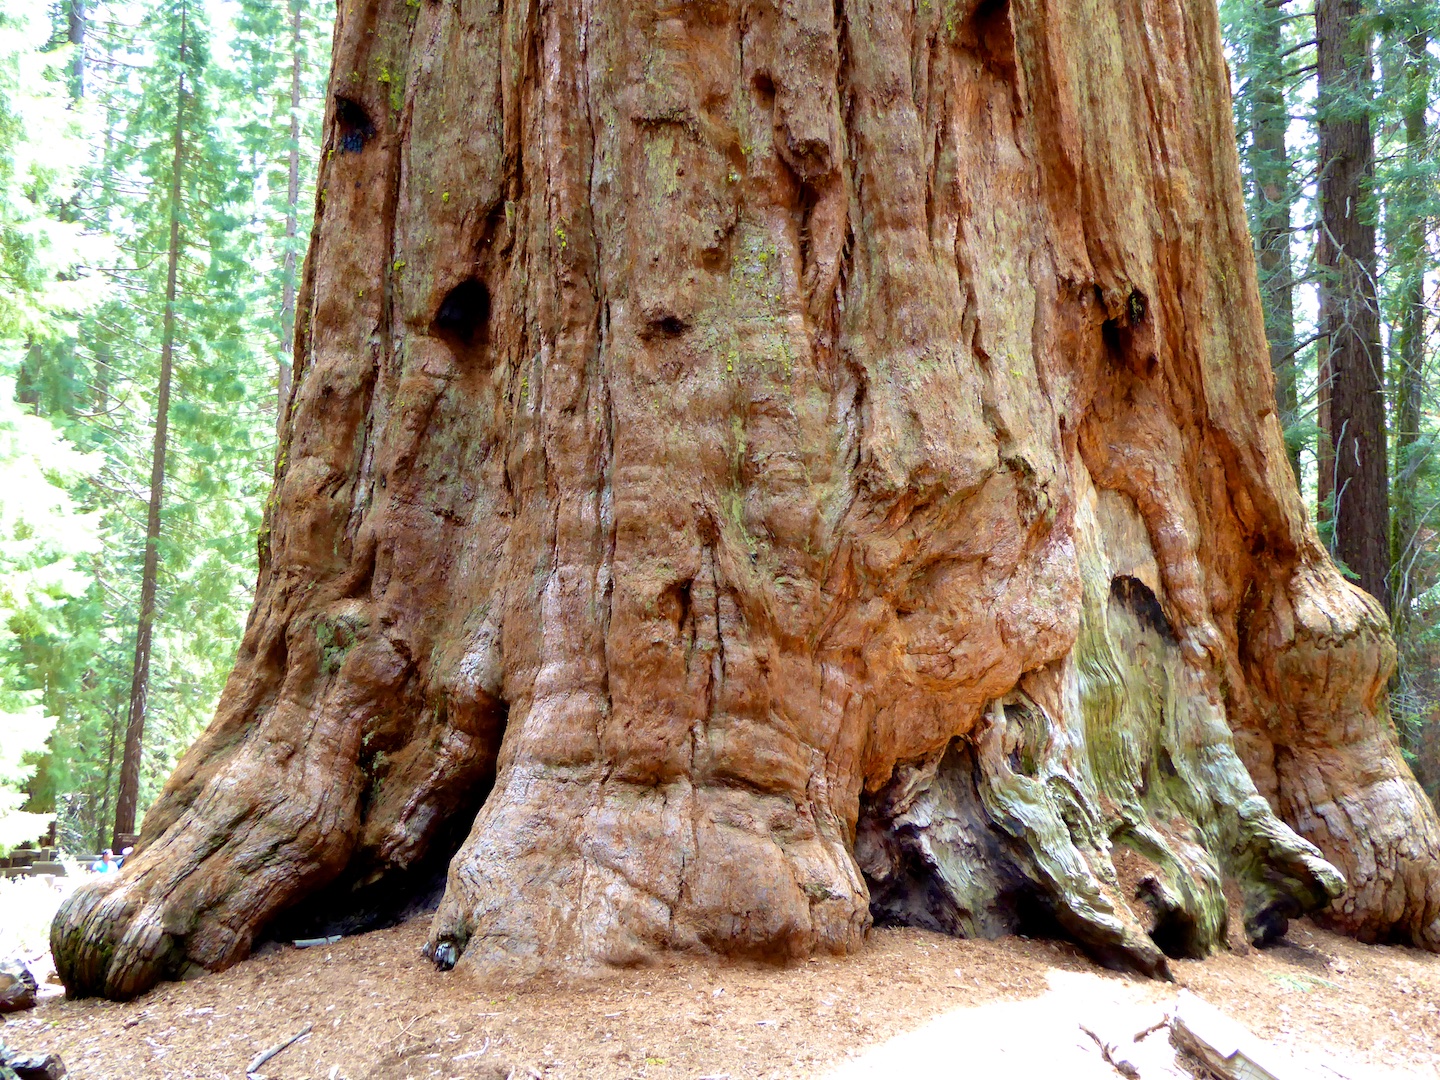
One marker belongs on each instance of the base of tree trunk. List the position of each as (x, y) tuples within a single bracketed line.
[(1117, 813), (754, 471)]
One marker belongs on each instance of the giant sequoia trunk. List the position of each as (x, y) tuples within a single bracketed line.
[(763, 467)]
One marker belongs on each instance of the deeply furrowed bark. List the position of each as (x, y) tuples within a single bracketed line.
[(743, 448)]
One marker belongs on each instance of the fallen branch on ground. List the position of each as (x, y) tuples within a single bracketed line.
[(1107, 1051), (311, 942), (265, 1055), (1226, 1049)]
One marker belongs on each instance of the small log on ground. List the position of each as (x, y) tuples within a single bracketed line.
[(17, 987), (15, 1066), (1224, 1047)]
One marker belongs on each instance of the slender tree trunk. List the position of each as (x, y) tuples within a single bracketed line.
[(27, 389), (751, 473), (128, 796), (1408, 258), (1353, 416), (76, 33), (1274, 197), (292, 216), (104, 816), (1324, 443), (100, 397)]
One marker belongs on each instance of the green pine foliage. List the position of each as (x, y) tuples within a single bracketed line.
[(1271, 47), (85, 351), (46, 541), (282, 53), (1407, 196), (46, 547), (86, 152)]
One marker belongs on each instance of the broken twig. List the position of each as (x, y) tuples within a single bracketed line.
[(1120, 1065), (1163, 1023), (1227, 1049), (473, 1053), (265, 1055)]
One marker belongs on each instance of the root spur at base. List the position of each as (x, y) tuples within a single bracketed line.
[(1116, 824), (978, 853)]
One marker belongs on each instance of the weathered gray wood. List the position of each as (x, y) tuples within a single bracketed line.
[(1225, 1047), (310, 943), (17, 987), (265, 1055), (30, 1066)]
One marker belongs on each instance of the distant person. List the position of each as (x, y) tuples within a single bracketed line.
[(105, 864), (124, 854)]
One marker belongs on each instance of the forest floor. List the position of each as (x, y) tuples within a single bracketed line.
[(911, 1003)]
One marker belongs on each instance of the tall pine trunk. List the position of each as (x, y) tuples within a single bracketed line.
[(754, 470), (1354, 465), (128, 795), (75, 31), (1274, 198), (292, 215), (112, 724), (1409, 259)]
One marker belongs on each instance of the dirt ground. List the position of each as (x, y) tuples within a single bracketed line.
[(379, 1010)]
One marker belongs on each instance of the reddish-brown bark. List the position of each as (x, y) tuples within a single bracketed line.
[(1352, 407), (797, 450)]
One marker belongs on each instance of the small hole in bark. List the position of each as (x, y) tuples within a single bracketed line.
[(1022, 724), (1175, 933), (996, 41), (1035, 916), (1137, 598), (764, 88), (1110, 334), (809, 199), (464, 311), (352, 125), (665, 326), (674, 604), (1166, 764), (988, 13), (1136, 307), (1129, 341), (497, 227)]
